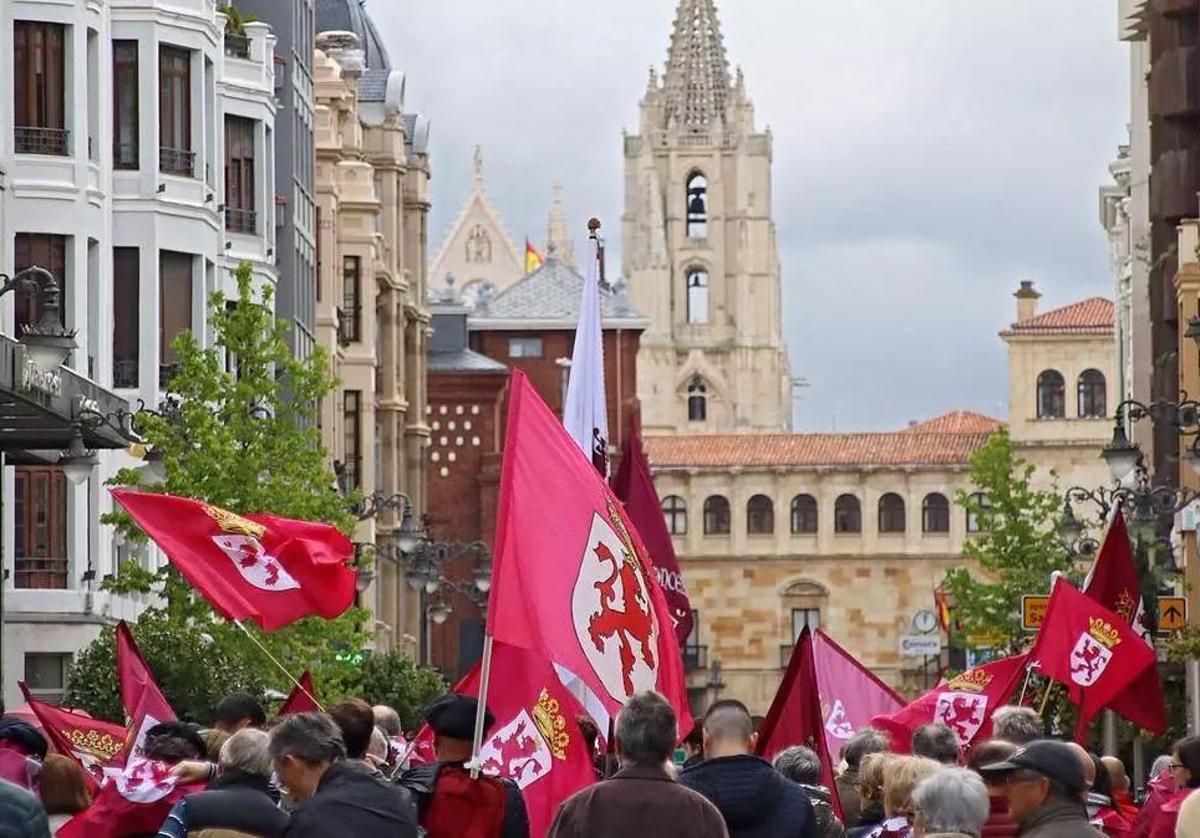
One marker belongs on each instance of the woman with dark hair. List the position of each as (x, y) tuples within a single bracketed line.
[(1185, 772)]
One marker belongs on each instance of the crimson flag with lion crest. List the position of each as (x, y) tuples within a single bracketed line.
[(1091, 650), (964, 704), (260, 567), (93, 743), (571, 580)]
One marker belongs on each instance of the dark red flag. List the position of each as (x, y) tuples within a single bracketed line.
[(259, 567), (1090, 649), (135, 801), (141, 697), (301, 700), (1113, 582), (965, 704), (571, 579), (635, 487), (93, 743)]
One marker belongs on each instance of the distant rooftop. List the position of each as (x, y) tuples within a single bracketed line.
[(1091, 316)]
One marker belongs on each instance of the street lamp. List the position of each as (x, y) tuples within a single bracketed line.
[(1120, 454), (47, 342), (77, 461)]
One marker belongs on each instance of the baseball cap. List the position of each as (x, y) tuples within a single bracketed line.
[(1053, 760)]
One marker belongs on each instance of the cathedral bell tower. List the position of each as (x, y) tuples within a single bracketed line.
[(699, 245)]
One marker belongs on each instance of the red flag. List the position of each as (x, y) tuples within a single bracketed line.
[(635, 487), (300, 700), (135, 801), (796, 716), (965, 704), (93, 743), (571, 580), (260, 567), (143, 701), (1113, 582), (1090, 649)]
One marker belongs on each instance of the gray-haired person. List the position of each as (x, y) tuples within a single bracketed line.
[(867, 741), (953, 803), (1019, 725), (240, 799), (337, 799), (803, 767), (642, 798)]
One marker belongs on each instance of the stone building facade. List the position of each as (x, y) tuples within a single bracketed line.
[(372, 176), (698, 245)]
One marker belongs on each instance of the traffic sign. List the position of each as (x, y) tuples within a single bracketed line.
[(987, 641), (1033, 611), (925, 645), (1172, 613)]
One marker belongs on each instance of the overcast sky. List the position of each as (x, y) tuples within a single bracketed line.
[(928, 155)]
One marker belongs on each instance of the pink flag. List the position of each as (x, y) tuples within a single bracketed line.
[(143, 701), (851, 695), (572, 581)]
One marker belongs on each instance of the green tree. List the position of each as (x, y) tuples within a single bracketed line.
[(239, 430), (1016, 547), (393, 679)]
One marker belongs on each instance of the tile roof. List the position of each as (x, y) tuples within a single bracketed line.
[(549, 294), (1090, 316), (956, 422)]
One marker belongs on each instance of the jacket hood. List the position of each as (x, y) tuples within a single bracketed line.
[(745, 788)]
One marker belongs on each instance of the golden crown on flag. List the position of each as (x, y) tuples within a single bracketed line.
[(103, 745), (1103, 631), (232, 522), (551, 724), (973, 680)]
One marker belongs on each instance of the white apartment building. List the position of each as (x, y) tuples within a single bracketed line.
[(136, 146)]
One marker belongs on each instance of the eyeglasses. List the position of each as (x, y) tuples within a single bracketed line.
[(1173, 764)]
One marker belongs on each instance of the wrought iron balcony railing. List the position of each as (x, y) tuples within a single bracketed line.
[(30, 139), (176, 161), (241, 220)]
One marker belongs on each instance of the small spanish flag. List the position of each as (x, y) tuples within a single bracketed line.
[(942, 600), (533, 259)]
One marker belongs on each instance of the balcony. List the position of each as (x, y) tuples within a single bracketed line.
[(237, 46), (33, 140), (125, 155), (694, 657), (241, 220), (176, 161), (125, 373), (40, 574)]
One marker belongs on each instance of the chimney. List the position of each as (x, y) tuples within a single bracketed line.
[(1027, 297)]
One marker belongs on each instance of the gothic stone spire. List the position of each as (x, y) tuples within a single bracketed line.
[(696, 82)]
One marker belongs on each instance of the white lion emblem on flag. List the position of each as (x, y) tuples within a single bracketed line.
[(962, 712), (517, 751), (837, 723), (256, 566), (1089, 659)]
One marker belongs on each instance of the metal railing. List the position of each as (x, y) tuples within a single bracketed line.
[(237, 46), (125, 155), (349, 325), (176, 161), (241, 220), (40, 574), (31, 139), (125, 372), (695, 657)]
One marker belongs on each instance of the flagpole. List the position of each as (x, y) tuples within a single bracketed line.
[(1025, 685), (485, 674), (275, 661)]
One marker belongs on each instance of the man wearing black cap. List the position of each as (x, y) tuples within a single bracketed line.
[(448, 799), (1045, 787)]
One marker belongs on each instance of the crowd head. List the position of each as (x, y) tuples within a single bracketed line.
[(356, 720), (1018, 725), (1041, 773), (866, 741), (645, 731), (937, 742), (237, 711), (173, 742), (302, 748), (728, 729), (950, 800), (800, 765)]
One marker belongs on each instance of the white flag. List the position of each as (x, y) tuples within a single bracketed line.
[(585, 415)]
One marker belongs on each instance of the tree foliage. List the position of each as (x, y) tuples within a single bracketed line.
[(239, 430), (393, 679), (1016, 547)]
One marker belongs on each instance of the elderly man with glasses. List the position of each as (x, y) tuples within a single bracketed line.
[(1045, 788)]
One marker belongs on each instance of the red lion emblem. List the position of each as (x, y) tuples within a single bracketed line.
[(634, 622), (518, 754)]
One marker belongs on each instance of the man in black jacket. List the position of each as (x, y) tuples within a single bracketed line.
[(753, 798), (240, 799), (452, 719), (337, 799)]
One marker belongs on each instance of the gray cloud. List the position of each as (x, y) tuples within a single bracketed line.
[(928, 154)]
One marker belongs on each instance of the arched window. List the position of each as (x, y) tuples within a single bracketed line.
[(1092, 399), (697, 206), (1051, 395), (847, 514), (716, 515), (675, 514), (697, 400), (981, 500), (804, 515), (891, 513), (697, 296), (935, 513), (760, 515)]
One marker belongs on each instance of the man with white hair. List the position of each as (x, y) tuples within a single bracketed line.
[(1019, 725), (240, 799), (953, 803)]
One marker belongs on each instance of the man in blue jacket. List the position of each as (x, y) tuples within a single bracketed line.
[(754, 799)]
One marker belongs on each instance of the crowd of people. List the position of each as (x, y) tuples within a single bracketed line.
[(342, 773)]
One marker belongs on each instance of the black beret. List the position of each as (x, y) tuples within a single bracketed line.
[(453, 716), (24, 735)]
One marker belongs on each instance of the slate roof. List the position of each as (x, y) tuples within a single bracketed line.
[(550, 294), (462, 360), (372, 85), (957, 422), (1093, 316), (352, 16)]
